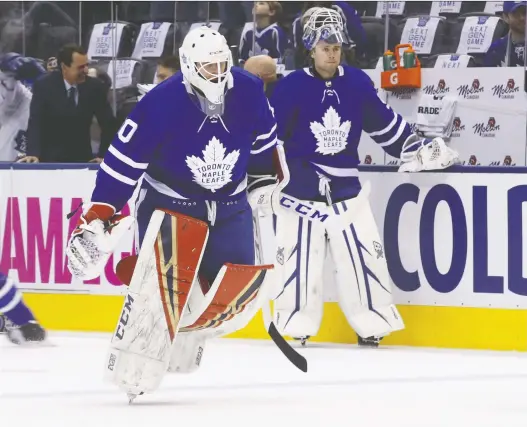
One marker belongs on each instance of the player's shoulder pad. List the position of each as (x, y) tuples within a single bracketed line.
[(357, 77), (293, 79), (246, 79)]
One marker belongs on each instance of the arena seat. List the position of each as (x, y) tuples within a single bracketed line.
[(100, 41), (168, 48), (440, 38), (456, 32), (374, 28), (430, 61)]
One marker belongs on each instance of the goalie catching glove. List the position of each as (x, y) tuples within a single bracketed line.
[(94, 239), (419, 154)]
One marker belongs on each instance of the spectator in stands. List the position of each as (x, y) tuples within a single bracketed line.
[(509, 51), (354, 32), (264, 67), (166, 67), (270, 38), (63, 105)]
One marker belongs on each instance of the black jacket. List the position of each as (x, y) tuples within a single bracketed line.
[(56, 133)]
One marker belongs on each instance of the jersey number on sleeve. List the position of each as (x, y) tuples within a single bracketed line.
[(127, 130)]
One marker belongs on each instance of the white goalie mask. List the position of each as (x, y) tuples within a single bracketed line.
[(323, 25), (206, 61)]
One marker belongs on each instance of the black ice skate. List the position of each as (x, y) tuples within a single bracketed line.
[(372, 342), (31, 332), (303, 340)]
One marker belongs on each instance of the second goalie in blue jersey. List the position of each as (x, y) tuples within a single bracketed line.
[(321, 112)]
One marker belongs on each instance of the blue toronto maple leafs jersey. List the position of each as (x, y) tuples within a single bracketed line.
[(272, 41), (186, 154), (321, 122), (496, 55)]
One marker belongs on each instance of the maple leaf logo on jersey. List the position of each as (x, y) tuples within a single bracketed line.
[(331, 135), (215, 169)]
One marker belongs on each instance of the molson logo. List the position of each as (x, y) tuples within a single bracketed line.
[(439, 89), (471, 92), (505, 91), (404, 93), (473, 161), (487, 130), (457, 127)]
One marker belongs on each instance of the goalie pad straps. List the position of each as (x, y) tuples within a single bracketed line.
[(162, 280)]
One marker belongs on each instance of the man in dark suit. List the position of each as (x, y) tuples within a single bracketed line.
[(62, 108)]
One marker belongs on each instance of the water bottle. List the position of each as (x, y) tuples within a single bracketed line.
[(409, 58), (388, 61)]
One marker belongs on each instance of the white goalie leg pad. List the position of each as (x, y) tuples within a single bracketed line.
[(301, 251), (187, 352), (189, 347), (162, 279), (363, 282)]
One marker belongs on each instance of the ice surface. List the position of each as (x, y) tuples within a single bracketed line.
[(250, 383)]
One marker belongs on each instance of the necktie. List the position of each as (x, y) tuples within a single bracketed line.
[(71, 97)]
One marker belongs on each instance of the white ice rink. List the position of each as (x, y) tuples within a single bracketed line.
[(250, 383)]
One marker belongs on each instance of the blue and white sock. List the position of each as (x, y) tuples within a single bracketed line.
[(11, 304)]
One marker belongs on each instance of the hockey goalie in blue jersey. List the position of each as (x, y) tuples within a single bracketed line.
[(321, 112), (193, 139)]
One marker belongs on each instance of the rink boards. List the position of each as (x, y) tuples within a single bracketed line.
[(454, 242)]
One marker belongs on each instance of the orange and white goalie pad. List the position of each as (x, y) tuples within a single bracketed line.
[(167, 316), (158, 292), (238, 292)]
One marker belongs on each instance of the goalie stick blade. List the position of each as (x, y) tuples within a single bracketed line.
[(294, 357)]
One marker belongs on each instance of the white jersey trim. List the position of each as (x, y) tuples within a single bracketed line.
[(264, 136), (117, 175), (163, 188), (8, 285), (339, 172), (396, 136), (265, 147), (386, 129), (127, 160), (14, 302), (241, 186), (340, 69)]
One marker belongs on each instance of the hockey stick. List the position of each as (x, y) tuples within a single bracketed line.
[(294, 357)]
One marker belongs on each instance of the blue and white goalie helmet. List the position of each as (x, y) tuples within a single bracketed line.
[(206, 62), (323, 25)]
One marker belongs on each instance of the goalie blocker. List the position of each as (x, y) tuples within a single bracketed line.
[(168, 313)]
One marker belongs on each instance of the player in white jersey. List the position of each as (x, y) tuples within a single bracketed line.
[(15, 99), (321, 113)]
